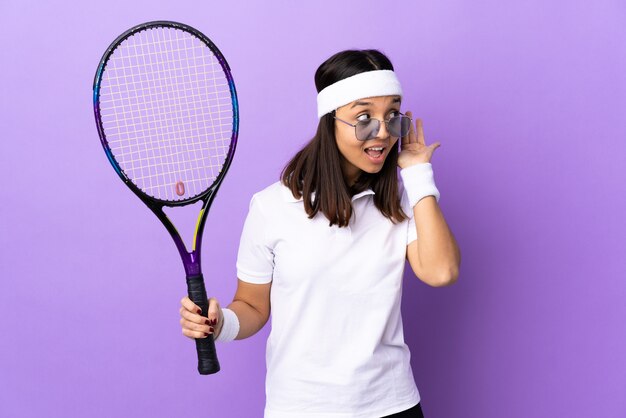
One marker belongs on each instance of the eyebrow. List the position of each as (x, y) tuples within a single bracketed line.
[(396, 100)]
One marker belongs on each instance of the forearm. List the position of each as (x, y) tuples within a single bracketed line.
[(438, 251), (250, 320)]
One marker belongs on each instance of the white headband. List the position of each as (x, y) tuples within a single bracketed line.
[(368, 84)]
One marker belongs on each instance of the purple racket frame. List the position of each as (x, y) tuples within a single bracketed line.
[(205, 347)]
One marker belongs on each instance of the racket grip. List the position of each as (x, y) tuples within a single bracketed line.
[(207, 357)]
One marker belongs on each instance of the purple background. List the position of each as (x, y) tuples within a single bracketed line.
[(528, 101)]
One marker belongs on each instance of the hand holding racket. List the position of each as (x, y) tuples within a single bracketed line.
[(167, 114), (194, 325)]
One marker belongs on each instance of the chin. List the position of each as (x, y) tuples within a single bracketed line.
[(372, 170)]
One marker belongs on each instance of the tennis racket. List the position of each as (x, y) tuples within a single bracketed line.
[(167, 114)]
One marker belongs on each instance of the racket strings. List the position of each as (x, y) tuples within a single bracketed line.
[(167, 112)]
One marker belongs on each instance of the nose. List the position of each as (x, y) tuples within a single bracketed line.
[(383, 132)]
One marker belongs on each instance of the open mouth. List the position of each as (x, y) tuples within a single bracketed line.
[(375, 152)]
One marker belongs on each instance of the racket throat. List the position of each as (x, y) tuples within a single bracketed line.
[(191, 261), (180, 215)]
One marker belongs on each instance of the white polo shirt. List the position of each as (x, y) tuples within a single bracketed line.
[(336, 348)]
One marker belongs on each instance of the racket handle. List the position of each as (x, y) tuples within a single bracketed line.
[(207, 357)]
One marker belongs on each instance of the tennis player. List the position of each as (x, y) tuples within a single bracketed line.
[(325, 248)]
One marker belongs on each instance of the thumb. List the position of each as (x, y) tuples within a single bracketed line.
[(214, 311)]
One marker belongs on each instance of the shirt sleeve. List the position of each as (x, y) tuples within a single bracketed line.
[(408, 210), (255, 259)]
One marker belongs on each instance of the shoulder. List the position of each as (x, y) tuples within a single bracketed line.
[(272, 197), (274, 193), (404, 199), (269, 208)]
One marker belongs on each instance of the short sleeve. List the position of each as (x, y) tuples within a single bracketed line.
[(408, 210), (412, 232), (255, 259)]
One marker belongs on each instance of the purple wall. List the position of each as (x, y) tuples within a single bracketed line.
[(528, 101)]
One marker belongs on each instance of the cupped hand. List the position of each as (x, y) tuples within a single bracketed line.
[(413, 147)]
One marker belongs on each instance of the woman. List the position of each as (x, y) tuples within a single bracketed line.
[(326, 246)]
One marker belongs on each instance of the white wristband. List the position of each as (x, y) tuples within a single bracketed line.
[(419, 182), (230, 326)]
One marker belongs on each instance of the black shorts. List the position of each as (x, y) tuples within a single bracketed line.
[(415, 412)]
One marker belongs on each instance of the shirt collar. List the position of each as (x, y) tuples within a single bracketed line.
[(290, 198)]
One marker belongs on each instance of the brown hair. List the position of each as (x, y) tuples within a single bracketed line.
[(316, 168)]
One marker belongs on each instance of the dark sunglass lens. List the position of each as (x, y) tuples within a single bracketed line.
[(367, 129), (399, 126), (405, 126)]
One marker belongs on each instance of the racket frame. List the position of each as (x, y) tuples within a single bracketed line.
[(191, 259)]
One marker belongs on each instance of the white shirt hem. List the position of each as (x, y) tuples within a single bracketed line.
[(269, 413)]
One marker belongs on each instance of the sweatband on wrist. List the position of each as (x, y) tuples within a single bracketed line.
[(368, 84), (230, 326), (419, 182)]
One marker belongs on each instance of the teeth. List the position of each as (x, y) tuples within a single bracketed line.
[(376, 148)]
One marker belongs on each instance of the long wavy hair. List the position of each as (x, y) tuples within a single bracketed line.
[(316, 168)]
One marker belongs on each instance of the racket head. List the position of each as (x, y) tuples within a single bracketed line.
[(167, 113)]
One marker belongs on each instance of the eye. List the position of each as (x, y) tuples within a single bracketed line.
[(363, 116), (393, 114)]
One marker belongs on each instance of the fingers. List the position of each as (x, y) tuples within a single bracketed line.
[(416, 135), (189, 305), (195, 330), (214, 311), (420, 131), (194, 325)]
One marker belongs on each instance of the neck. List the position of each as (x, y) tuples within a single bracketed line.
[(350, 173)]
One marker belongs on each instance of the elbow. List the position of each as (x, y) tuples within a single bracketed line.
[(450, 274), (437, 277), (445, 278)]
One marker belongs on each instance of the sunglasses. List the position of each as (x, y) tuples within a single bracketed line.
[(397, 126)]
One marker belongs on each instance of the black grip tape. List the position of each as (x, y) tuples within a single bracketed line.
[(207, 357)]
